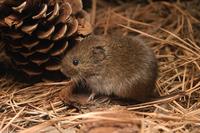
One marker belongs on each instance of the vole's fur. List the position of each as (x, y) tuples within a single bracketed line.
[(122, 66)]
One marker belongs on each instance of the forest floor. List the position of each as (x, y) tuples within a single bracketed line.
[(171, 29)]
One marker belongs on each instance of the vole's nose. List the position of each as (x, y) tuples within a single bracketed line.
[(68, 71)]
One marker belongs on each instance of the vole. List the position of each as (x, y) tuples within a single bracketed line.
[(112, 65)]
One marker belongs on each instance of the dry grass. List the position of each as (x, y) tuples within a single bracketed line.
[(172, 32)]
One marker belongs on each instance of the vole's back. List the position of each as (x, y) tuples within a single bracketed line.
[(129, 69)]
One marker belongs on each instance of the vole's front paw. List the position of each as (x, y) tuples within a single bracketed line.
[(91, 97), (66, 95)]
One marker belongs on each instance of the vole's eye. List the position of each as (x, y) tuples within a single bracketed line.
[(75, 62)]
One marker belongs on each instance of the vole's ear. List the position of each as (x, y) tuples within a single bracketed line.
[(98, 54)]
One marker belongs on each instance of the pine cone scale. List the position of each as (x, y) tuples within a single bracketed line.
[(59, 32), (45, 34), (31, 69), (39, 58), (25, 52), (30, 43), (65, 13), (53, 67), (73, 26), (44, 48), (28, 29), (59, 48), (54, 14), (20, 8), (19, 59), (12, 20), (15, 46), (42, 13), (14, 35)]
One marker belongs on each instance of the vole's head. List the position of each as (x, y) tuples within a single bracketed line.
[(85, 58)]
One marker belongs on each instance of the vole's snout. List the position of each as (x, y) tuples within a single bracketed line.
[(63, 71), (68, 71)]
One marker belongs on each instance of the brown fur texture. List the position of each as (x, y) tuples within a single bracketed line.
[(108, 65)]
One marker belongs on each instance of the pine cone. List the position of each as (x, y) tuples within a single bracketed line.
[(37, 33)]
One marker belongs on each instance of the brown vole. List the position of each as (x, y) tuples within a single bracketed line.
[(108, 65)]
